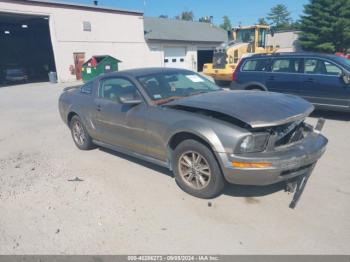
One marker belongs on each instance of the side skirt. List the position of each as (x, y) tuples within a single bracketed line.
[(133, 154)]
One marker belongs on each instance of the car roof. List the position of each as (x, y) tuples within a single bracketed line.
[(147, 71), (291, 54)]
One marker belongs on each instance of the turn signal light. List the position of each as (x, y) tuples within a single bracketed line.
[(251, 164)]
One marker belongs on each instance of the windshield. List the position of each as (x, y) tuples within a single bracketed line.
[(165, 87), (245, 35), (262, 37)]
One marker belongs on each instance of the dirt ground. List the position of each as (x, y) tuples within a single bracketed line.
[(120, 205)]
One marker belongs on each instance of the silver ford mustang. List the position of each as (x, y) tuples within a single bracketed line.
[(207, 136)]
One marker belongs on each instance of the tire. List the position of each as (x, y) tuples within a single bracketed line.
[(191, 180), (80, 136), (222, 83)]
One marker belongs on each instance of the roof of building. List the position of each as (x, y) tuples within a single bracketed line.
[(77, 6), (180, 30)]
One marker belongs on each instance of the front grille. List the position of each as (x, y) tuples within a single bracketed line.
[(219, 59), (289, 134)]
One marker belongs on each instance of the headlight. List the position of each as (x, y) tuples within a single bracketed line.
[(253, 143)]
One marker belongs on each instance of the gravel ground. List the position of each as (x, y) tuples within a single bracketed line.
[(119, 205)]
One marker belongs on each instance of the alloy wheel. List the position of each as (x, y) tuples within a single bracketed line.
[(78, 133), (194, 170)]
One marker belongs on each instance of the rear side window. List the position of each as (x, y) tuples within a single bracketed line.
[(317, 66), (286, 65), (87, 88), (256, 65)]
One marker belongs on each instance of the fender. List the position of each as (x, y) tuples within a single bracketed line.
[(198, 129)]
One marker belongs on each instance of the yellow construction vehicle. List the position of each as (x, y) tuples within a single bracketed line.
[(246, 40)]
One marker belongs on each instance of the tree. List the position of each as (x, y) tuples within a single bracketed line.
[(163, 16), (262, 21), (279, 17), (325, 26), (226, 24), (205, 19), (186, 15)]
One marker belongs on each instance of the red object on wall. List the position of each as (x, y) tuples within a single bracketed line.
[(79, 59)]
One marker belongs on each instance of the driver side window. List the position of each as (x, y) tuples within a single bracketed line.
[(115, 87), (317, 66)]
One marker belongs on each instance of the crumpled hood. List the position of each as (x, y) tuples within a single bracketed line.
[(255, 108)]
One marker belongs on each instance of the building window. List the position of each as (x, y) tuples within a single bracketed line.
[(182, 60), (166, 60), (173, 60), (87, 26)]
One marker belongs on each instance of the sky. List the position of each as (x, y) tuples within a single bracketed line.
[(244, 12)]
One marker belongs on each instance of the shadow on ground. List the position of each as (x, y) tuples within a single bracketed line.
[(247, 192), (331, 115)]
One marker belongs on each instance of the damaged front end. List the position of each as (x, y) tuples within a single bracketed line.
[(297, 169), (273, 143), (284, 136)]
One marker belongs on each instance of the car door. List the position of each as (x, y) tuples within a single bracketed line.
[(253, 72), (323, 85), (116, 123), (284, 76)]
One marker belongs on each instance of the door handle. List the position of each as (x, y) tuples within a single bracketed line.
[(98, 107)]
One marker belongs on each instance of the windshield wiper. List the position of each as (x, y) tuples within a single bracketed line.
[(202, 92), (166, 100), (197, 93)]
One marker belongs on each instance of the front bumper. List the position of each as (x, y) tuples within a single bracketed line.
[(287, 162)]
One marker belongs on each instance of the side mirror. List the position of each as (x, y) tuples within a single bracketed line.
[(126, 100), (346, 78)]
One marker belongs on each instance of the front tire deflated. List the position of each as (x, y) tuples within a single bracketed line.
[(196, 169)]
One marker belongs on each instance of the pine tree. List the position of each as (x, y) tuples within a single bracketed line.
[(226, 25), (279, 17), (325, 26), (262, 21), (186, 15)]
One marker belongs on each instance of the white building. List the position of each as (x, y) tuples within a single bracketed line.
[(285, 41), (183, 44), (42, 36)]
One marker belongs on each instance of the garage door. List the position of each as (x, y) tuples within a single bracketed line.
[(175, 57), (26, 50), (203, 57)]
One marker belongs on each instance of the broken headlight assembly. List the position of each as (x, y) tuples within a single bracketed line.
[(255, 142)]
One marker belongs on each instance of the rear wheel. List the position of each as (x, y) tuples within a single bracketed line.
[(196, 170), (80, 136)]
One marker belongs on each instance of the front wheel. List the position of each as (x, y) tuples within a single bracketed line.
[(197, 172)]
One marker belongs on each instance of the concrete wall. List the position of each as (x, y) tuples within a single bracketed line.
[(287, 41), (118, 34)]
